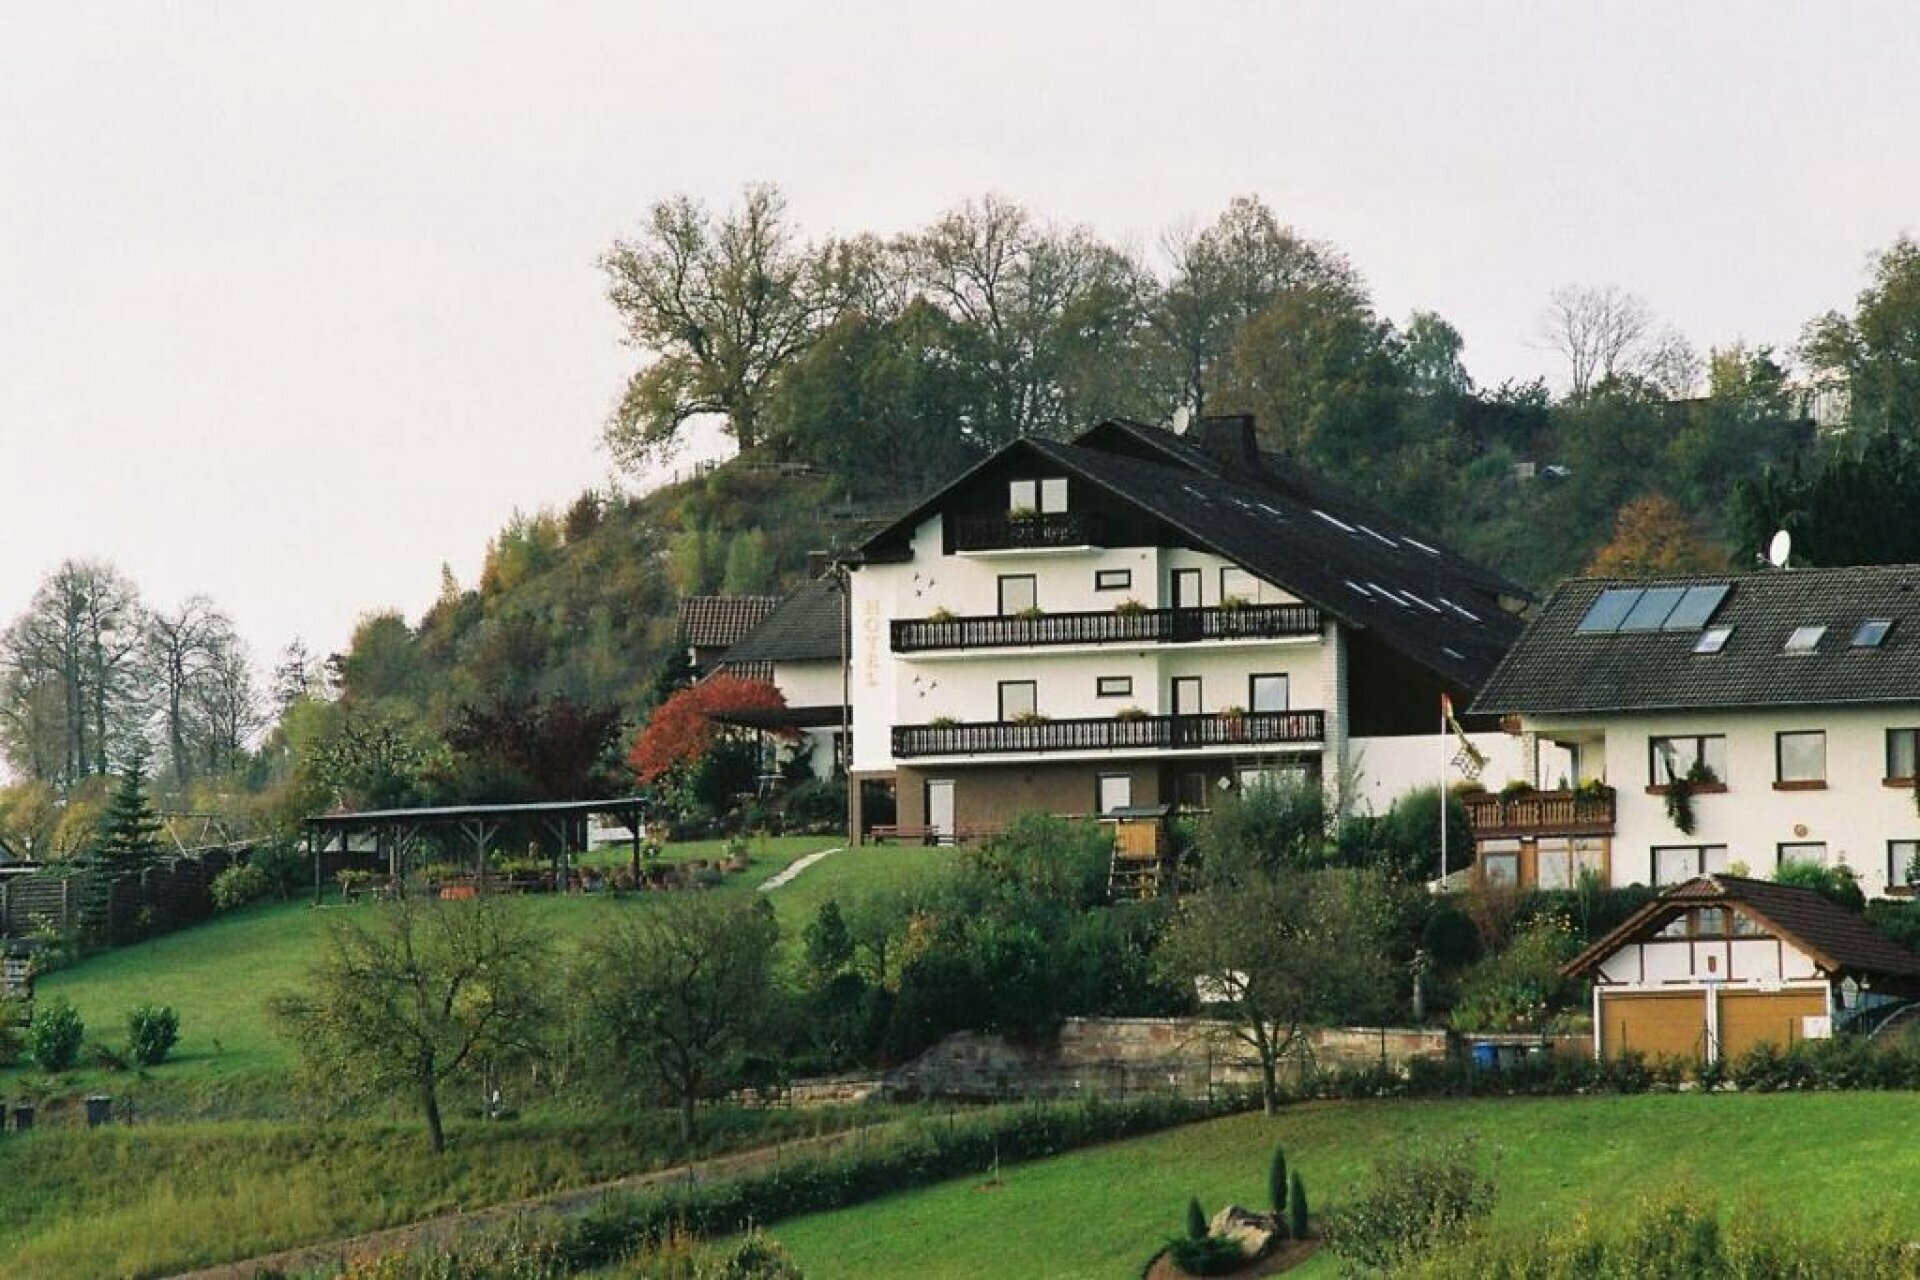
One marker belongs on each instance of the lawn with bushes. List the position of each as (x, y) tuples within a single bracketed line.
[(219, 975), (1827, 1163)]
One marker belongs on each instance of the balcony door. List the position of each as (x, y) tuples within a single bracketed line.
[(1186, 695), (1186, 588)]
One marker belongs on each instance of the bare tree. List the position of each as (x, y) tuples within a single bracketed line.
[(225, 710), (179, 648), (1605, 333), (67, 673)]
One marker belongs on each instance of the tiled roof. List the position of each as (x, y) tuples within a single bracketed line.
[(807, 626), (1355, 562), (1556, 668), (714, 622), (1838, 940)]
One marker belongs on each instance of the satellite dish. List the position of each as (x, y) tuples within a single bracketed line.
[(1779, 549)]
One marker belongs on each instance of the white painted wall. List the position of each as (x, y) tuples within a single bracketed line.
[(1388, 768), (1855, 815)]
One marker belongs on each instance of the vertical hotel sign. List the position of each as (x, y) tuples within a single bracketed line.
[(870, 625)]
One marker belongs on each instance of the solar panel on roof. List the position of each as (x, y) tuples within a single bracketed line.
[(1650, 612), (1610, 609), (1696, 607)]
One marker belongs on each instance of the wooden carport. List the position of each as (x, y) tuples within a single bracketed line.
[(397, 832)]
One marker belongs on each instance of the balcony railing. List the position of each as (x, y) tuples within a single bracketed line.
[(1562, 813), (1011, 532), (1148, 626), (1141, 733)]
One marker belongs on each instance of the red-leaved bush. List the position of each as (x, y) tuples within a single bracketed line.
[(682, 729)]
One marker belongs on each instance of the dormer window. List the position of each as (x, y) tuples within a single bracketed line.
[(1048, 496)]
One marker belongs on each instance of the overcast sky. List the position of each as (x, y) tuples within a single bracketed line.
[(298, 301)]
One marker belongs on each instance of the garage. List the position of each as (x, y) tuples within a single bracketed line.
[(1748, 1018), (1720, 964), (1660, 1024)]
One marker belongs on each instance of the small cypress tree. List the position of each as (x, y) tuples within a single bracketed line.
[(130, 829), (1196, 1220), (1296, 1208), (1277, 1186)]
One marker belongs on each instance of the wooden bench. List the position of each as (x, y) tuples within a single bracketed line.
[(884, 833)]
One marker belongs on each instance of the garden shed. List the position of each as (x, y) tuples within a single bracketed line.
[(1722, 963)]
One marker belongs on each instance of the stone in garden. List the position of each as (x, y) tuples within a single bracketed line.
[(1253, 1232)]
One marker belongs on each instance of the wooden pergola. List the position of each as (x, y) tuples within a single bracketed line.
[(397, 832)]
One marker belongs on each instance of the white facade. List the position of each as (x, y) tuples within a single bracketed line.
[(890, 689), (1851, 815)]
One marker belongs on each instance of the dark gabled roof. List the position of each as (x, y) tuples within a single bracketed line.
[(1556, 668), (1838, 940), (1360, 565), (807, 626), (714, 622)]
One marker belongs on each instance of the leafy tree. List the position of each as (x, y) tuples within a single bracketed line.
[(683, 730), (722, 306), (1277, 953), (130, 829), (423, 993), (516, 748), (1277, 1184), (749, 568), (382, 660), (677, 993), (1297, 1217), (1875, 352), (1837, 508), (1653, 536)]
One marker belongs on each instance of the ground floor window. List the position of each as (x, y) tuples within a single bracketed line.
[(1903, 862), (1811, 851), (1272, 776), (1115, 792), (1560, 861), (1500, 862), (1676, 864)]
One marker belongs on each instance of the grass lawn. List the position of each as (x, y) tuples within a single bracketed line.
[(854, 873), (219, 975), (1827, 1161)]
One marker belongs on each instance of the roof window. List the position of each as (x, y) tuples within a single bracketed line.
[(1805, 639), (1713, 640), (1419, 545), (1872, 633)]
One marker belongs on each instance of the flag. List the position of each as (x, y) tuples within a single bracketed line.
[(1470, 760)]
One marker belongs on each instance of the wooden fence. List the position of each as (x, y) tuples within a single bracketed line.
[(112, 906)]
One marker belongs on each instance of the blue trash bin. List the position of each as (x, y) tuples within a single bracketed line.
[(1486, 1055)]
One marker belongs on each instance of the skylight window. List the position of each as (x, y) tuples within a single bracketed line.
[(1872, 633), (1335, 521), (1358, 588), (1466, 613), (1380, 538), (1415, 542), (1713, 640), (1805, 639)]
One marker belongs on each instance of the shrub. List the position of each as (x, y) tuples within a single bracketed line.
[(1277, 1184), (1836, 884), (1297, 1207), (237, 886), (1196, 1220), (151, 1033), (1414, 1202), (55, 1036), (1520, 988), (282, 865), (816, 801), (1205, 1255), (11, 1041)]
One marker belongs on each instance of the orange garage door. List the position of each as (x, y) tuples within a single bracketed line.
[(1662, 1024), (1749, 1017)]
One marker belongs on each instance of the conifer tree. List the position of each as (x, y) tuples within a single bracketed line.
[(130, 829)]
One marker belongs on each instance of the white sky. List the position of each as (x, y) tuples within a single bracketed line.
[(298, 301)]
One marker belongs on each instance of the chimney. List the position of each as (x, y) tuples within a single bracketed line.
[(1230, 439), (817, 564)]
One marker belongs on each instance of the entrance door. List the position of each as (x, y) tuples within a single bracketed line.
[(940, 810)]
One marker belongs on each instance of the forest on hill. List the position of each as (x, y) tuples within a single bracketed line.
[(855, 373)]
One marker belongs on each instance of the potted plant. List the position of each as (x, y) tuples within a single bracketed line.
[(1680, 793), (1130, 608), (1029, 717), (941, 614), (1131, 713)]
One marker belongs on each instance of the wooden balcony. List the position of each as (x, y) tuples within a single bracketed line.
[(1023, 532), (1143, 733), (1106, 626), (1541, 813)]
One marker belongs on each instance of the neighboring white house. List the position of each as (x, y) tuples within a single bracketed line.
[(1142, 619), (1785, 705), (1722, 963), (800, 648)]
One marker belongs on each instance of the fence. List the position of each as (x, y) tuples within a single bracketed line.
[(112, 906)]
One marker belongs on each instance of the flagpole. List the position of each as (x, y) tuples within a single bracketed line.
[(1443, 790)]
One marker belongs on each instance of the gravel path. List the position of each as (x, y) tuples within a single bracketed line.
[(795, 868)]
